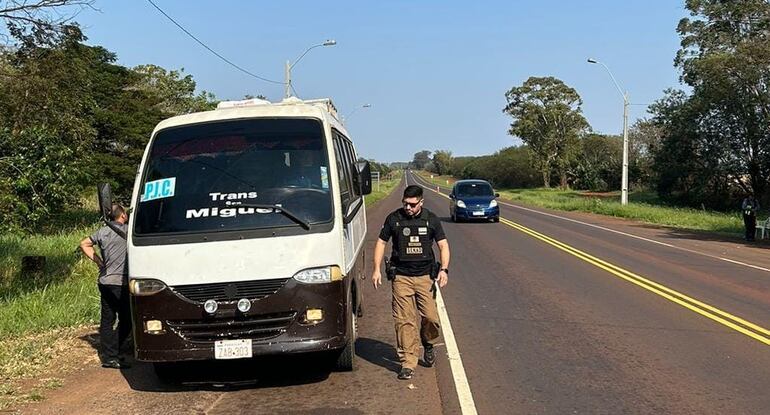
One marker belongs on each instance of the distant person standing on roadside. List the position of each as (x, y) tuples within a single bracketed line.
[(113, 286), (750, 207)]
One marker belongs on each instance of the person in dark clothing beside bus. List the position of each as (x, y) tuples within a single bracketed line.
[(412, 271), (750, 207), (113, 286)]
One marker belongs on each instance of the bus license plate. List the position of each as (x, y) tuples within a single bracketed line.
[(478, 213), (232, 349)]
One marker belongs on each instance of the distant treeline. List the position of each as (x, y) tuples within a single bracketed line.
[(704, 148)]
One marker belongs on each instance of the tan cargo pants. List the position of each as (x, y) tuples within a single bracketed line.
[(410, 296)]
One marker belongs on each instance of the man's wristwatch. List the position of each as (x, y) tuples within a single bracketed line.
[(446, 270)]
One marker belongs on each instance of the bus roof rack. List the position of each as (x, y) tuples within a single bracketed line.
[(325, 103)]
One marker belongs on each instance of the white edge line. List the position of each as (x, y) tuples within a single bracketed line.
[(464, 395), (732, 261)]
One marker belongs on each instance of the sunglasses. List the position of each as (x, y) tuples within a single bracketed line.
[(412, 205)]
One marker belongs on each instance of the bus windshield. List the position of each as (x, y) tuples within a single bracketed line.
[(211, 176)]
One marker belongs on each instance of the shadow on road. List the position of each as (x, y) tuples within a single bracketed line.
[(378, 353), (256, 373)]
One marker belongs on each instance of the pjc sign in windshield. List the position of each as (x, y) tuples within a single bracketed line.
[(159, 189)]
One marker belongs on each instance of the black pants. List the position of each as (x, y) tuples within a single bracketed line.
[(114, 306), (750, 222)]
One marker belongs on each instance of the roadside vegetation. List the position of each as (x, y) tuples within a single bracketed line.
[(42, 312), (643, 206), (387, 184), (700, 149)]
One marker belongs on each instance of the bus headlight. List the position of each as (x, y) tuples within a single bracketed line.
[(319, 275), (146, 287)]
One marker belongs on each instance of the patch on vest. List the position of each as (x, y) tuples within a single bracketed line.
[(422, 231), (414, 250), (407, 231), (414, 239)]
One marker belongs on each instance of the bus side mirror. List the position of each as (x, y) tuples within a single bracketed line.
[(365, 173), (104, 192)]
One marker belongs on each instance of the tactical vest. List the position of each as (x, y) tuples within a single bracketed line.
[(414, 243)]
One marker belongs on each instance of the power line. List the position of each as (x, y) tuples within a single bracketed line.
[(209, 49)]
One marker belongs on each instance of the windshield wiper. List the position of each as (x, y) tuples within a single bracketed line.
[(276, 208)]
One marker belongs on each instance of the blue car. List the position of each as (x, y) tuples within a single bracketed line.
[(473, 200)]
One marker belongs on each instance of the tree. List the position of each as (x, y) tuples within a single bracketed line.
[(547, 117), (509, 167), (80, 118), (421, 159), (39, 22), (725, 58), (175, 90), (41, 173), (442, 161), (599, 166), (644, 139)]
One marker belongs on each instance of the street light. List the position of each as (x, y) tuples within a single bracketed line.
[(353, 111), (624, 182), (289, 65)]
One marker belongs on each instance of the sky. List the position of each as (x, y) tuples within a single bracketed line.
[(434, 72)]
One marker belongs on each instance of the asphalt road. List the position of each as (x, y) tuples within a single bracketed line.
[(549, 316), (542, 330)]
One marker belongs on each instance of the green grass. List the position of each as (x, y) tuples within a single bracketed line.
[(64, 294), (40, 310), (386, 187), (642, 206)]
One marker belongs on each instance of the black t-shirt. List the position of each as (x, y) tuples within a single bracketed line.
[(435, 232)]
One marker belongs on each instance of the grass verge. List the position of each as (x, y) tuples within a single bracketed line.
[(40, 311), (642, 206), (385, 188)]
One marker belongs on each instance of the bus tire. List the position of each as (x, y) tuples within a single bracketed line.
[(347, 355)]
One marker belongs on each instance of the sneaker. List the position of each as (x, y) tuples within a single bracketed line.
[(429, 357), (115, 364), (405, 373)]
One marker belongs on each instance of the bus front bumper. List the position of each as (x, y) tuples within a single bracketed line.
[(275, 324)]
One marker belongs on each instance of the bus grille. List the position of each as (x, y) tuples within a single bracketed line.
[(256, 327), (252, 290)]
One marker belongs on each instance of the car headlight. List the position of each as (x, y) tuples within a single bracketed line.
[(493, 203), (146, 287), (461, 204), (319, 275)]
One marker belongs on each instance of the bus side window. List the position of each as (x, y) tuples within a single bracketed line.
[(351, 157), (345, 194)]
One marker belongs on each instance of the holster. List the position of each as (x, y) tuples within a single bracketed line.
[(390, 269), (434, 270)]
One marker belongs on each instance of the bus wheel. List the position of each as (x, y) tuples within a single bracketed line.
[(346, 356)]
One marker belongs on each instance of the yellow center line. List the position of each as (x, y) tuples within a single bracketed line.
[(738, 324)]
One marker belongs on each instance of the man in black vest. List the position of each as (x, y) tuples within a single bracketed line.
[(413, 267), (750, 207)]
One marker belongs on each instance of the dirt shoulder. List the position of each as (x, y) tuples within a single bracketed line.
[(41, 363)]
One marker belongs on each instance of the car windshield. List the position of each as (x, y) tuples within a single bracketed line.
[(204, 177), (474, 190)]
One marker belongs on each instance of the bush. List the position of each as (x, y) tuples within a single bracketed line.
[(41, 173)]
